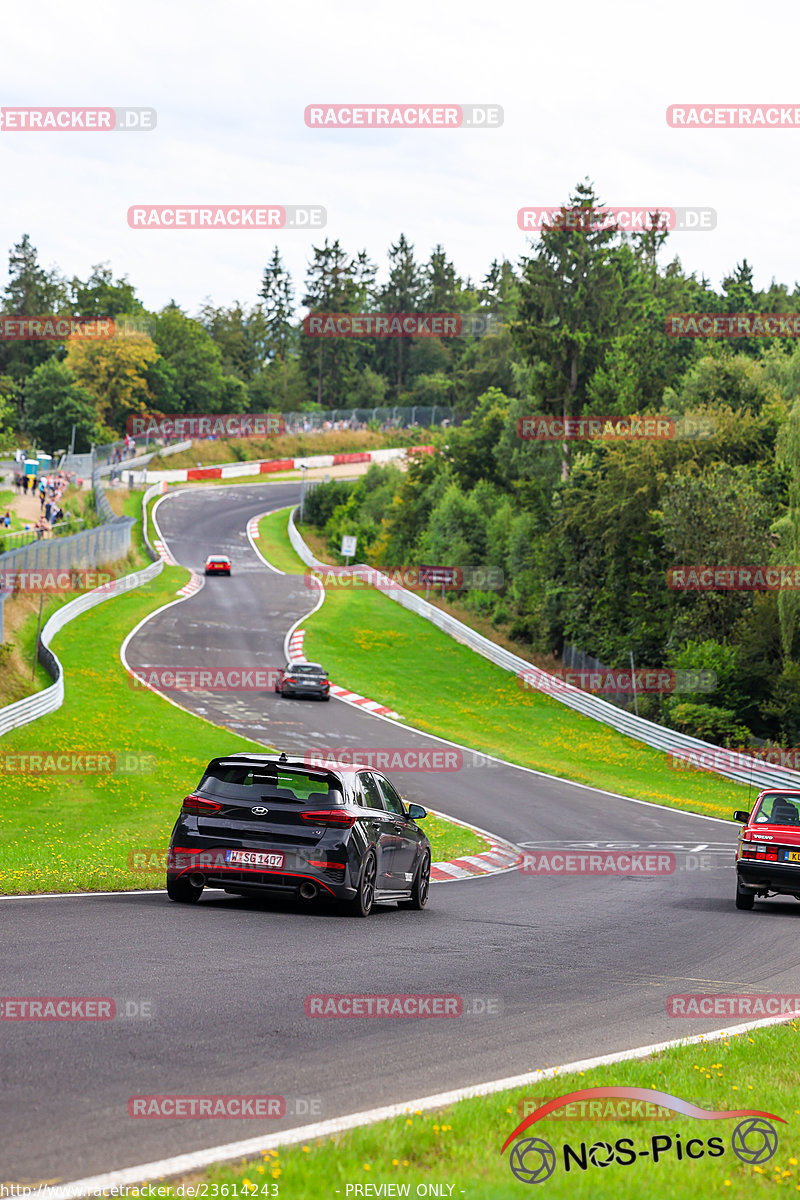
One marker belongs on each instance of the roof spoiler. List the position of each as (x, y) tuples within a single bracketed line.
[(271, 766)]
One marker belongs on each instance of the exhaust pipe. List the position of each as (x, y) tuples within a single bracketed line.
[(308, 890), (197, 880)]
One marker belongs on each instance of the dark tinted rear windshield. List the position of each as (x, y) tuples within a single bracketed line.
[(246, 781), (306, 669)]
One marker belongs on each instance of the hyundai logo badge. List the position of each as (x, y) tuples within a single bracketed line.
[(259, 812)]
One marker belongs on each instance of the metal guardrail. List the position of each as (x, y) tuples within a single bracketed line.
[(155, 490), (104, 543), (657, 736)]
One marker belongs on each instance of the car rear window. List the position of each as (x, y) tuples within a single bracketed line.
[(777, 809), (305, 669), (245, 781)]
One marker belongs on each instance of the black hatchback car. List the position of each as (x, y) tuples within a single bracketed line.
[(263, 823)]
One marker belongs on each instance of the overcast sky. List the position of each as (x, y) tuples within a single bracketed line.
[(584, 88)]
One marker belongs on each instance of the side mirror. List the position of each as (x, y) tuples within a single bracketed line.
[(741, 815), (416, 812)]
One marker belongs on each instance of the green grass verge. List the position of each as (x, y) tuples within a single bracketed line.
[(23, 636), (459, 1146), (370, 644), (78, 832)]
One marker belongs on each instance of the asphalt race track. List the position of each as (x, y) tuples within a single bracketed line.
[(572, 967)]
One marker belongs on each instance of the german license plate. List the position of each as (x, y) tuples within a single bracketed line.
[(791, 856), (253, 858)]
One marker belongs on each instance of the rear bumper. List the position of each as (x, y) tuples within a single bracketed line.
[(288, 879), (287, 883), (772, 877)]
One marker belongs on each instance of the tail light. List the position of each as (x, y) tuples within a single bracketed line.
[(330, 816), (759, 852), (194, 804)]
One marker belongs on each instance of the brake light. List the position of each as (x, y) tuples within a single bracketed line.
[(330, 816), (194, 804), (759, 851)]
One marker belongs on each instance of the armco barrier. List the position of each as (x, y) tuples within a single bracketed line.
[(105, 543), (265, 466), (657, 736), (31, 707)]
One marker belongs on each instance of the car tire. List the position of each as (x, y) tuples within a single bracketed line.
[(326, 697), (362, 902), (182, 891), (421, 886), (744, 897)]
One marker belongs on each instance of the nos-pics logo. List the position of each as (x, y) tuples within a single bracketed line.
[(754, 1139)]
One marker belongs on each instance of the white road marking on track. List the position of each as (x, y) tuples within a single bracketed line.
[(196, 1160)]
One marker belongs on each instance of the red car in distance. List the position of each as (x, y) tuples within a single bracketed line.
[(218, 564), (768, 854)]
